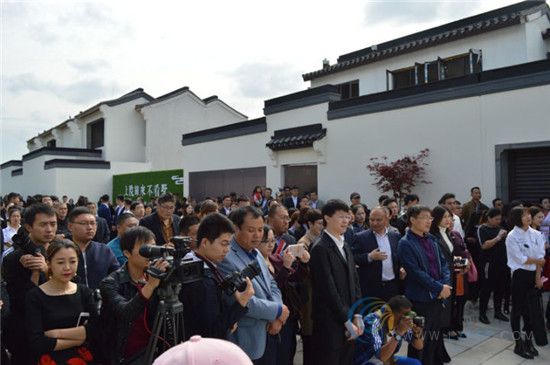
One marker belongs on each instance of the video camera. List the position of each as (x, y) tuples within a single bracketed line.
[(237, 280), (180, 269), (418, 321)]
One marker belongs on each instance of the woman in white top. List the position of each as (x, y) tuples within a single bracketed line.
[(525, 251), (14, 222)]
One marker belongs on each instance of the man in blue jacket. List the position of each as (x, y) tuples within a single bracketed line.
[(96, 260), (427, 281), (266, 311)]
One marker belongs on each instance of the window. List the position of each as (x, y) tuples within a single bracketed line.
[(96, 134), (51, 143), (456, 66), (403, 78), (440, 69), (348, 90)]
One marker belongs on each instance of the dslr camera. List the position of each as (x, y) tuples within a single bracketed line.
[(180, 269), (237, 280), (418, 321)]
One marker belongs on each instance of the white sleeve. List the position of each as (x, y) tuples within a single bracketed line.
[(541, 252), (514, 252)]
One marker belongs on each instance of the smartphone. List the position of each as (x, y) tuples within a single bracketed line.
[(296, 250), (82, 318)]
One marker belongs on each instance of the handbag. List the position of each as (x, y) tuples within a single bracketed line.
[(546, 272), (471, 275)]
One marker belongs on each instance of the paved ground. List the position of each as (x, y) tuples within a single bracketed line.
[(486, 344)]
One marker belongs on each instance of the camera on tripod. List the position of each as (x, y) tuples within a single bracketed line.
[(237, 280), (180, 269)]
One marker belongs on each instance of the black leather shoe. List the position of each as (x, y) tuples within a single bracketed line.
[(501, 317), (528, 346), (462, 335), (520, 350), (483, 319)]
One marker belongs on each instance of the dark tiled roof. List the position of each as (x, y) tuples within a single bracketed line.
[(253, 126), (299, 137), (11, 163), (467, 27), (134, 94), (302, 98), (62, 151), (183, 90)]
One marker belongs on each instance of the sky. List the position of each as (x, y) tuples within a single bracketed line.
[(61, 57)]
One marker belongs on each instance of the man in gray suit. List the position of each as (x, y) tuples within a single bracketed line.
[(266, 311)]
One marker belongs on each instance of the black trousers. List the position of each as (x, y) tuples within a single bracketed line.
[(494, 283), (522, 282), (434, 352), (457, 318), (341, 356), (383, 290)]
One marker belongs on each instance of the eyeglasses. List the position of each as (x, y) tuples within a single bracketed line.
[(167, 207), (269, 242), (90, 223), (425, 218)]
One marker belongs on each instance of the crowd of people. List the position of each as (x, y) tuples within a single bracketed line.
[(352, 282)]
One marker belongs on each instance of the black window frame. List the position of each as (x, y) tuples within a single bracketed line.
[(348, 90), (92, 128)]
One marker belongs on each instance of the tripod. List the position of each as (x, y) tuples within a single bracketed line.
[(168, 323)]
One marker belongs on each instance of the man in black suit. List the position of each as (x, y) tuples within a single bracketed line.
[(226, 206), (293, 201), (163, 222), (103, 232), (335, 288), (375, 251)]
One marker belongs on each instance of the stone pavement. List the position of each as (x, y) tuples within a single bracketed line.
[(486, 344)]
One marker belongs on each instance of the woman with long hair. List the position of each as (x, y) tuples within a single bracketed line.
[(56, 324), (360, 218), (453, 251), (288, 271), (525, 252)]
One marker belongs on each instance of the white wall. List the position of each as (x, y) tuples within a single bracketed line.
[(167, 121), (124, 132), (461, 135), (231, 153), (505, 47)]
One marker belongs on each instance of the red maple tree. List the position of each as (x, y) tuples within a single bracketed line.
[(399, 176)]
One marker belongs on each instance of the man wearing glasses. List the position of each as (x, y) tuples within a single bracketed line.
[(163, 222), (96, 260), (427, 282)]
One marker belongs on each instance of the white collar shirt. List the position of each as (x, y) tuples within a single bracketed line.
[(522, 245), (387, 264), (339, 241)]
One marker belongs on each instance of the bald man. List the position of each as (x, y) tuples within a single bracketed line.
[(375, 251)]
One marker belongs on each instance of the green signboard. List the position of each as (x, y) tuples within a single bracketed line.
[(148, 184)]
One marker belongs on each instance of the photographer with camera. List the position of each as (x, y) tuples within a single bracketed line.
[(205, 312), (385, 330), (129, 299), (266, 306)]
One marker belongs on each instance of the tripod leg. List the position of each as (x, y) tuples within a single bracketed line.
[(157, 325)]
